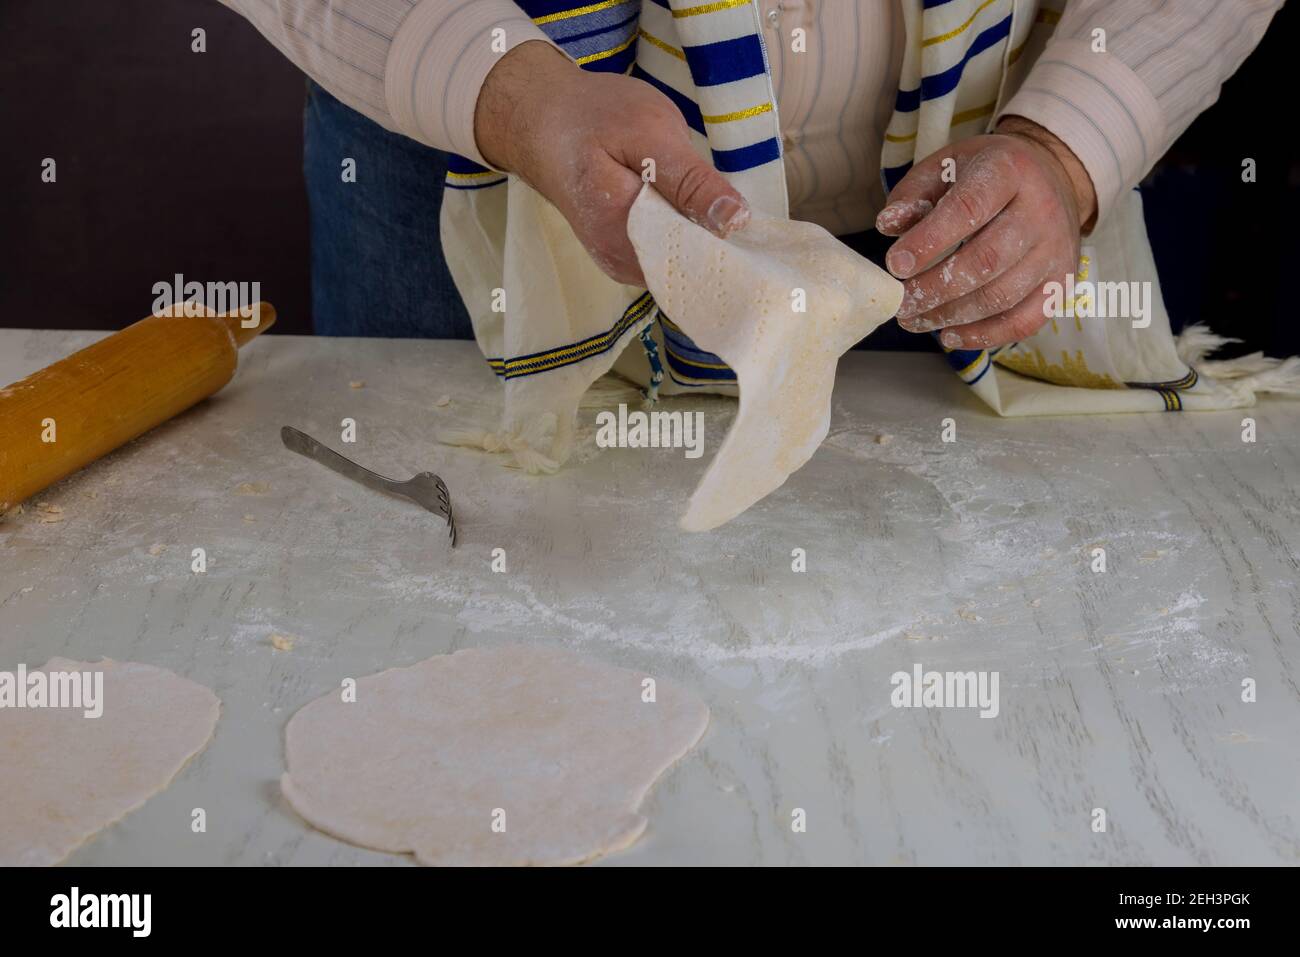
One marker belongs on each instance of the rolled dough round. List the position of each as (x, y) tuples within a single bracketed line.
[(779, 301), (503, 756), (64, 776)]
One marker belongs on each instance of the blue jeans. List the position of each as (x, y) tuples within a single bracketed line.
[(377, 267)]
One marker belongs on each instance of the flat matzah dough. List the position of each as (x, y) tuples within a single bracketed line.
[(64, 777), (427, 757), (735, 298)]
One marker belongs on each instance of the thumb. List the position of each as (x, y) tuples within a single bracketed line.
[(699, 192)]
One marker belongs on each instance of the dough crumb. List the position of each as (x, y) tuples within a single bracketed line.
[(49, 509), (49, 518), (1154, 555), (884, 438), (443, 400), (967, 615), (1237, 737), (12, 513), (282, 642), (157, 548), (357, 384), (249, 519), (252, 488)]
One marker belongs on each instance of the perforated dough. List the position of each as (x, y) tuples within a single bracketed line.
[(558, 748), (64, 777), (735, 298)]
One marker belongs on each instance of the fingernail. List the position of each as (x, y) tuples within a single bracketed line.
[(900, 262), (951, 340), (726, 215)]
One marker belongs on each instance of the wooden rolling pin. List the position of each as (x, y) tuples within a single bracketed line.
[(85, 406)]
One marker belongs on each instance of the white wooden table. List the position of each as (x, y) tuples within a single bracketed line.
[(1120, 690)]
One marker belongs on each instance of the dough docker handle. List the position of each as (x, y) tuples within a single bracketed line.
[(71, 413)]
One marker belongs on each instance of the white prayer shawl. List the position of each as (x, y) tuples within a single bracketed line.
[(550, 322)]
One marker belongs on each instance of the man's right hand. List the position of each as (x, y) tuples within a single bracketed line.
[(580, 138)]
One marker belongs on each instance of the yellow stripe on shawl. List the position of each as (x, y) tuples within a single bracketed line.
[(604, 54), (716, 7), (965, 116), (578, 11), (970, 368), (739, 114), (655, 41), (578, 351), (931, 41)]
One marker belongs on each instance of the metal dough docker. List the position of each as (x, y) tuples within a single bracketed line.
[(425, 489)]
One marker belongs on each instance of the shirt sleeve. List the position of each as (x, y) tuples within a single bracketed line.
[(413, 66), (1120, 106)]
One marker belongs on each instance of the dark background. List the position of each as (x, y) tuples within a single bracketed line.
[(171, 161)]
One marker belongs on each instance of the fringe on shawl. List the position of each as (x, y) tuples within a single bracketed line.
[(1251, 373)]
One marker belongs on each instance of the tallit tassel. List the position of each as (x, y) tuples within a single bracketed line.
[(1258, 373), (1196, 342), (1245, 374)]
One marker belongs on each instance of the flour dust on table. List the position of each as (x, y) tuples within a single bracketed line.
[(502, 756), (84, 744)]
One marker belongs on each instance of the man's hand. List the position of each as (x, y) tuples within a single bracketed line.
[(580, 138), (1018, 201)]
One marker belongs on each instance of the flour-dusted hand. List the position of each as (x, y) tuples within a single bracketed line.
[(1016, 199), (580, 139)]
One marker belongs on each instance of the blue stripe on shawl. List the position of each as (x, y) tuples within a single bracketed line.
[(933, 87), (685, 357), (472, 186), (960, 358), (458, 164), (690, 110), (893, 174), (685, 347), (908, 101), (726, 60), (747, 157), (599, 29), (545, 8)]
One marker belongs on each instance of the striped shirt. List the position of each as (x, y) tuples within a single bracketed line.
[(416, 67)]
